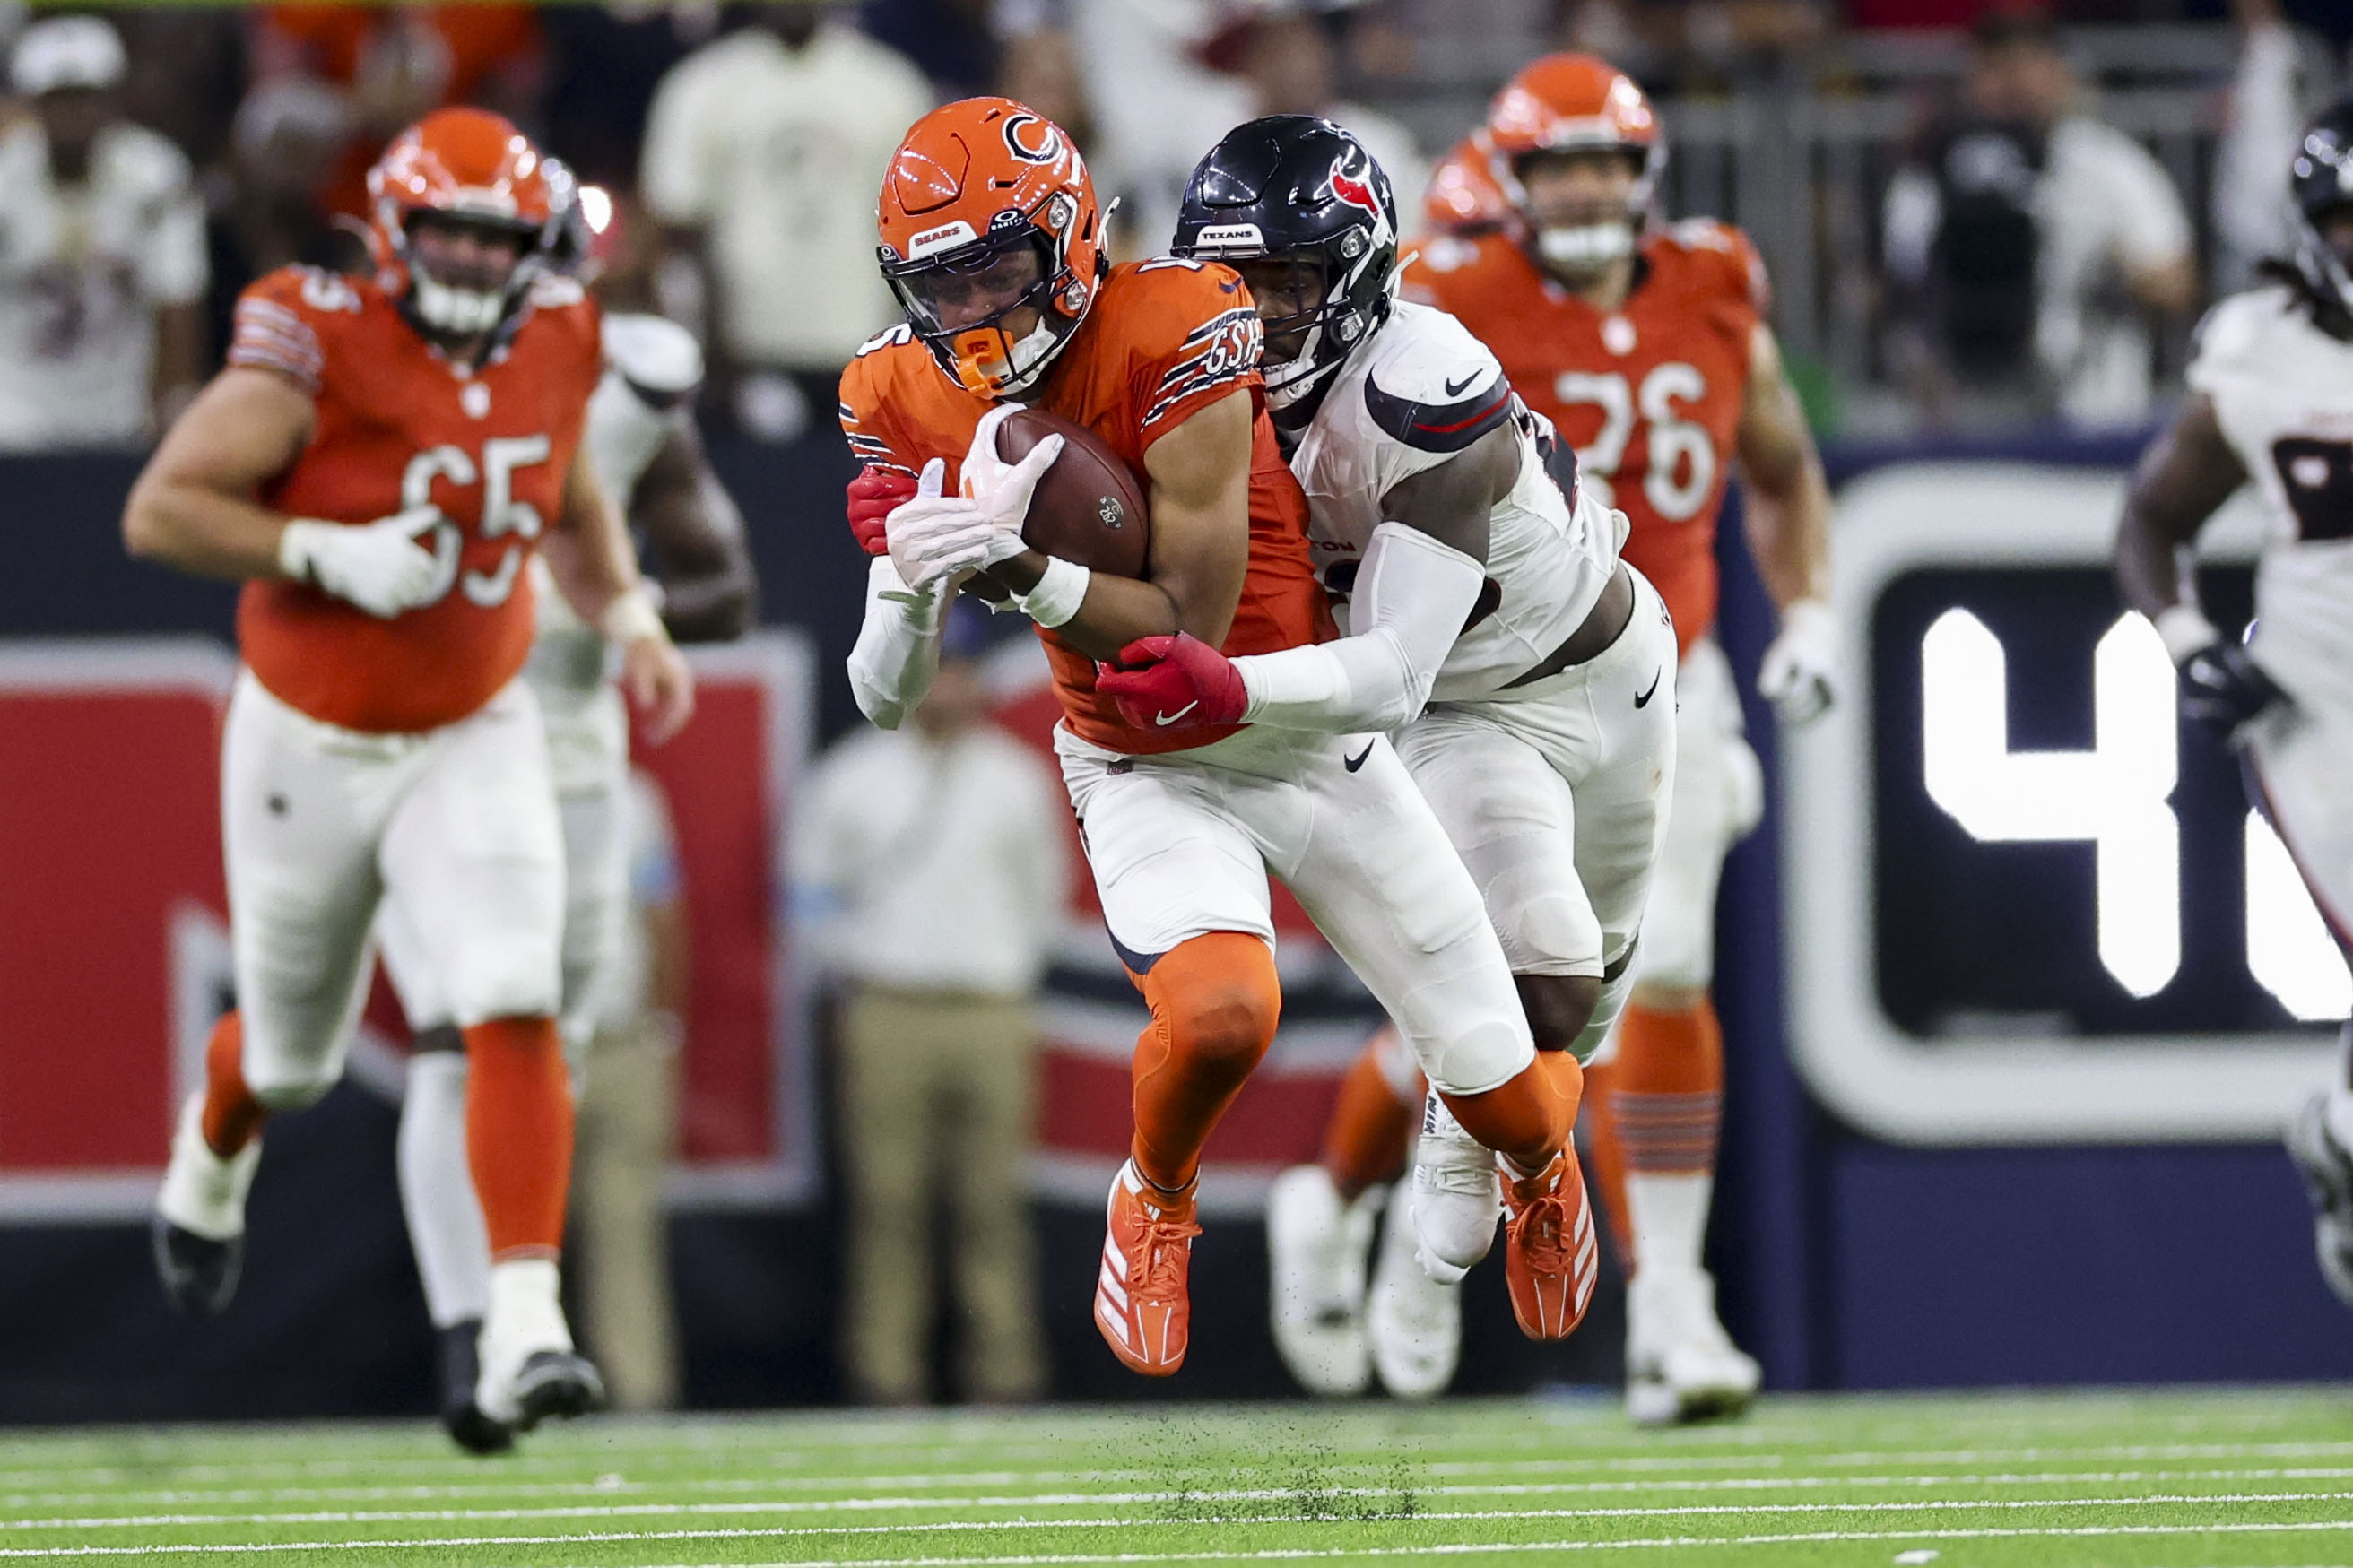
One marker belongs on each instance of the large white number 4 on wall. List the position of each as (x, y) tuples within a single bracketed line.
[(2114, 795)]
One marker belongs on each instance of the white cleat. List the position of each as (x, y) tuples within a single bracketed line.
[(1315, 1248), (1456, 1196), (1414, 1322), (199, 1225), (530, 1371), (1681, 1365)]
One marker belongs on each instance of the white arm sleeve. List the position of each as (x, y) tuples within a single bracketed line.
[(1411, 596), (897, 648)]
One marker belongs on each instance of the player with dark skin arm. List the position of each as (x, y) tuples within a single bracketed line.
[(1453, 503), (709, 594), (2188, 472)]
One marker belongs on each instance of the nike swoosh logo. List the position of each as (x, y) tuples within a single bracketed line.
[(1644, 699), (1352, 764), (1454, 389), (1167, 719), (1230, 286)]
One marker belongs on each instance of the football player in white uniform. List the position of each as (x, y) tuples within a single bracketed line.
[(1491, 629), (641, 441), (2270, 400)]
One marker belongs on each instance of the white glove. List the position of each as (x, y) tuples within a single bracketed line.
[(1799, 675), (379, 565), (934, 536)]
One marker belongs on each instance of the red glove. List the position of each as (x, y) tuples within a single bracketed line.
[(874, 494), (1175, 682)]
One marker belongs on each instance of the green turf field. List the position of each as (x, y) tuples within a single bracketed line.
[(2234, 1478)]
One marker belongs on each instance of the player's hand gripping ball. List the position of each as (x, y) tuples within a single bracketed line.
[(1089, 508), (1175, 682)]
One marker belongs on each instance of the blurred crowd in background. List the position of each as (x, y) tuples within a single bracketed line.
[(1976, 214)]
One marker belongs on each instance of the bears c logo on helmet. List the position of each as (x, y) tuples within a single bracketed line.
[(1032, 140)]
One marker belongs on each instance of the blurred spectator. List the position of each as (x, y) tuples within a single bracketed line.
[(285, 146), (763, 156), (2030, 244), (1156, 107), (628, 1118), (1288, 58), (2284, 75), (394, 63), (604, 64), (101, 253), (954, 42), (934, 869)]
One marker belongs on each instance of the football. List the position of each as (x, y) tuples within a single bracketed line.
[(1089, 506)]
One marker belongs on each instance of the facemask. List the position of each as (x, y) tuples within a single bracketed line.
[(458, 311), (1585, 248)]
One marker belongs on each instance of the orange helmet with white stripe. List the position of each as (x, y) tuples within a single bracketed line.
[(1575, 103), (992, 239), (474, 168), (1462, 197)]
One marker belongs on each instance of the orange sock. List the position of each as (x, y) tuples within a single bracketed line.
[(1605, 1161), (1215, 1000), (1363, 1144), (1667, 1090), (519, 1133), (232, 1116), (1526, 1119)]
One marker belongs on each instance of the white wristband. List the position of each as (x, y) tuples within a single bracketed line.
[(631, 618), (2184, 630), (295, 542), (1061, 589)]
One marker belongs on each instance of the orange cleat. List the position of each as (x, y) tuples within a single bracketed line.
[(1550, 1259), (1142, 1301)]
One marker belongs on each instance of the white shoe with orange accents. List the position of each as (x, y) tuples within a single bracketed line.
[(1551, 1258), (1143, 1301)]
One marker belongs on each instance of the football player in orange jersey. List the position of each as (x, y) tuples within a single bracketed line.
[(1647, 347), (380, 460), (991, 236)]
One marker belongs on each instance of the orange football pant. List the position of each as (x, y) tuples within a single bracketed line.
[(519, 1133), (1215, 1000), (1365, 1141), (232, 1116), (1528, 1117), (1668, 1089)]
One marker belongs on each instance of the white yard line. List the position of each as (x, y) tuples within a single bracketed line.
[(1131, 1500), (1446, 1548), (573, 1453), (615, 1485)]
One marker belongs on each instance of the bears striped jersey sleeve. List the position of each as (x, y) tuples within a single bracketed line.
[(1210, 346), (274, 330), (865, 430)]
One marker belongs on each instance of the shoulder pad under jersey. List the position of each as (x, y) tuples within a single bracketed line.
[(658, 358), (1431, 384)]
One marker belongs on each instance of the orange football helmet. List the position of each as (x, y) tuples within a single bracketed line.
[(1566, 103), (472, 166), (987, 210), (1463, 197)]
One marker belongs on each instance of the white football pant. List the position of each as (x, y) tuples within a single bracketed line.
[(1182, 845), (1719, 798), (1556, 800), (322, 824)]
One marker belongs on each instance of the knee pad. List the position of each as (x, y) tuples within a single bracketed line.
[(515, 980), (1216, 997)]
